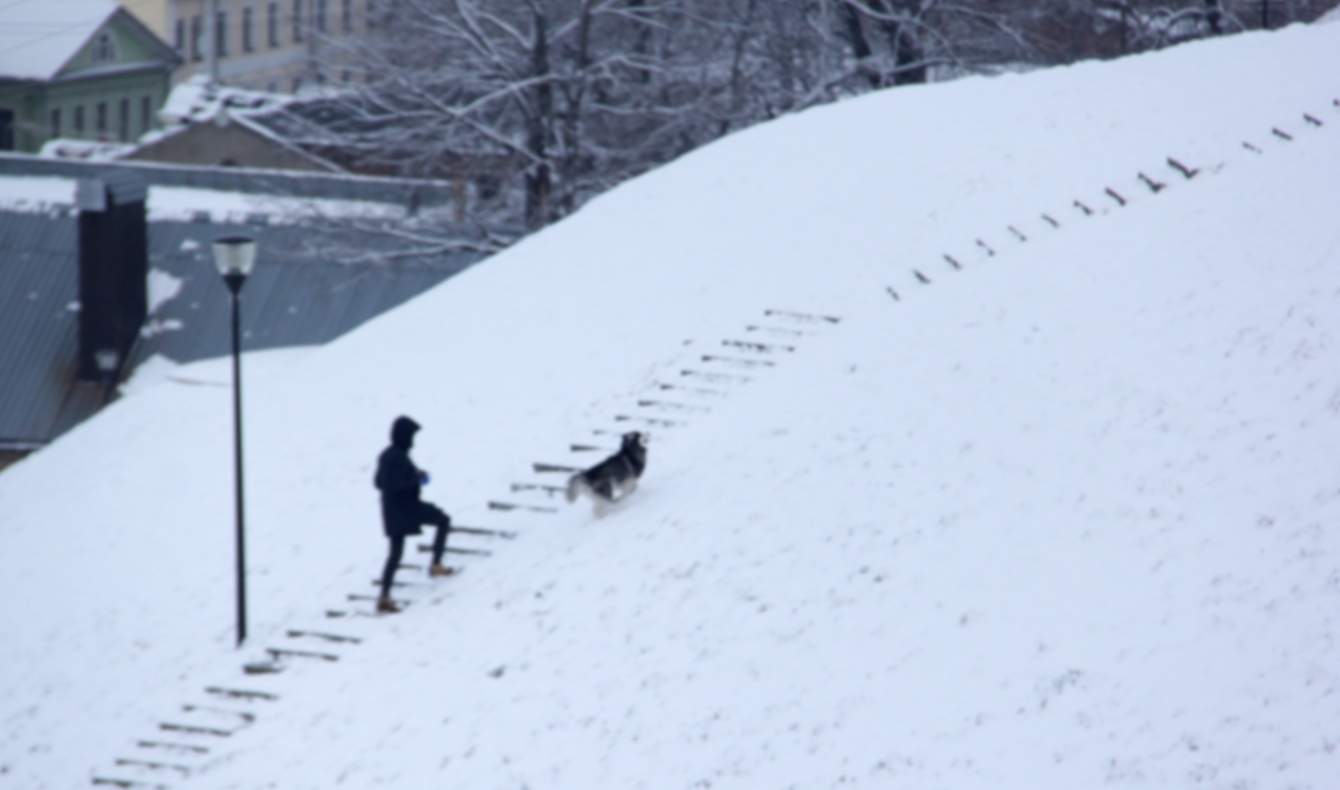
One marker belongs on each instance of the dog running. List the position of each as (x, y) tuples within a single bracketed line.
[(614, 478)]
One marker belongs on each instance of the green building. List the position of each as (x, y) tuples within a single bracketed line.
[(78, 69)]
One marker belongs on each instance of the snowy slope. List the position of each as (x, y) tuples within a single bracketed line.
[(1061, 518)]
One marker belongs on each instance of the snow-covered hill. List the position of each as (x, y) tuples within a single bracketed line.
[(1063, 516)]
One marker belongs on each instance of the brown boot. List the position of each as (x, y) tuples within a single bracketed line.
[(387, 606), (438, 569)]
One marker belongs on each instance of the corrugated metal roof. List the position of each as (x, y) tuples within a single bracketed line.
[(293, 297), (38, 329)]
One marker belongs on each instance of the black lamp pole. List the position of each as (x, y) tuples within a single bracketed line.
[(234, 256)]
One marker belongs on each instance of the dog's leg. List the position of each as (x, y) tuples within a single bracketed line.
[(626, 487)]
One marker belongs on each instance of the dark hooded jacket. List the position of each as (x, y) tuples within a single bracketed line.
[(398, 480)]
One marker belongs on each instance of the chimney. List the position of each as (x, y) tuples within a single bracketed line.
[(113, 269)]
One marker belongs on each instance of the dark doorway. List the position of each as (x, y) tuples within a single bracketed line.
[(6, 129)]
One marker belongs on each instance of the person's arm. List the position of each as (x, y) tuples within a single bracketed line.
[(399, 474)]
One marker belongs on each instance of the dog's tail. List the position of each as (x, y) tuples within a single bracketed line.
[(576, 484)]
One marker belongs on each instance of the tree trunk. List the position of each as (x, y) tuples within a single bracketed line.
[(538, 177), (903, 43), (574, 94), (860, 47)]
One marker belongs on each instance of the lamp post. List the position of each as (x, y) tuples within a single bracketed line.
[(235, 255)]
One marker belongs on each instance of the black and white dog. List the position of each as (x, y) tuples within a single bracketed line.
[(613, 478)]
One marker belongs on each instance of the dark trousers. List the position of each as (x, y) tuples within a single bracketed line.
[(428, 514)]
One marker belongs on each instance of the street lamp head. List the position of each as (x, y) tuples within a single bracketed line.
[(234, 255)]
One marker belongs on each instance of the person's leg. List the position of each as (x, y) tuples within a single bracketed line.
[(392, 563), (432, 514)]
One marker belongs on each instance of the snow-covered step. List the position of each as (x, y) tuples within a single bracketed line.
[(714, 377), (737, 362), (486, 532), (156, 767), (131, 784), (687, 389), (324, 636), (171, 747), (281, 653), (543, 488), (242, 694), (803, 317), (655, 422), (541, 467), (495, 504), (752, 345), (777, 330), (673, 406), (424, 548)]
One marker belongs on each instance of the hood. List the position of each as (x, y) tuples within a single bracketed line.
[(402, 432)]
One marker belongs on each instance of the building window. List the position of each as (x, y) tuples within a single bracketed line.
[(101, 121), (297, 84), (123, 120), (104, 48), (346, 16), (321, 6), (221, 34), (298, 31), (248, 42), (79, 120), (197, 37), (272, 25), (55, 123), (179, 36), (371, 19), (146, 114)]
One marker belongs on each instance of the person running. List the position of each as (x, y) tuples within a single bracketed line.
[(403, 511)]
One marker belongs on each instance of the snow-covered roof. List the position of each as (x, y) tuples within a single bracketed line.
[(38, 37), (72, 148), (39, 194), (198, 99)]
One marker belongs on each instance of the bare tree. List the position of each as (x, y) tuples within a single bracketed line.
[(540, 104), (569, 96)]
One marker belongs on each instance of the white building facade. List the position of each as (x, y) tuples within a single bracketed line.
[(279, 46)]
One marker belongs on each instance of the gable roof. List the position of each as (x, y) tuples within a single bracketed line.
[(39, 38), (199, 108)]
